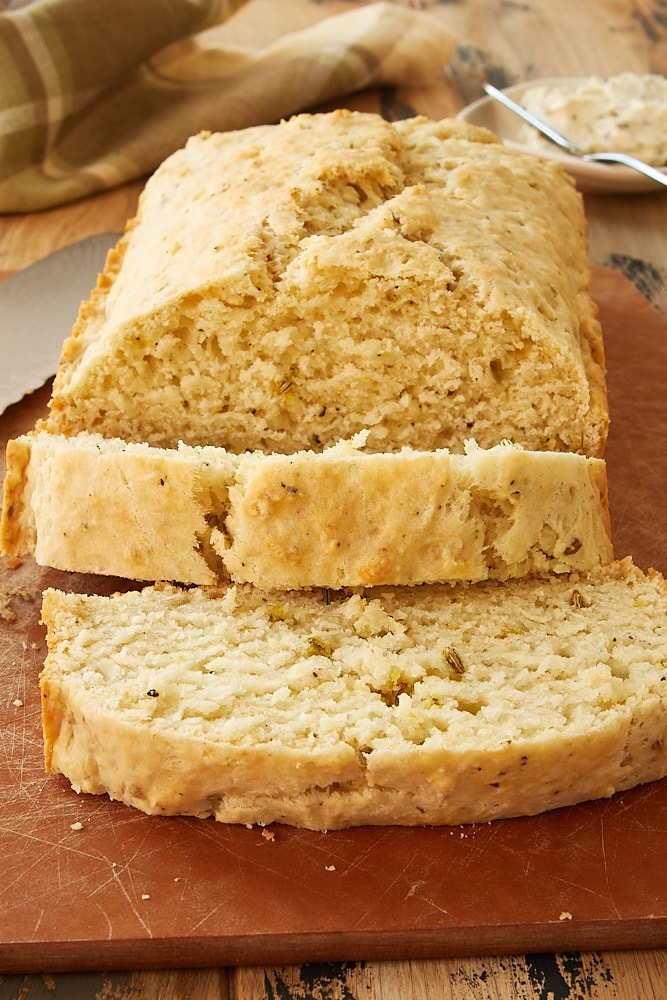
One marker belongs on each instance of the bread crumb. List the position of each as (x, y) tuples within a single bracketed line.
[(145, 895), (6, 612), (17, 703), (565, 915), (268, 835), (76, 826), (330, 868)]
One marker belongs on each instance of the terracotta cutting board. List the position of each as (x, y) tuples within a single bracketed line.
[(91, 884)]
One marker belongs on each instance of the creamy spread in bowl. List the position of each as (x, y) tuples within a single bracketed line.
[(624, 114)]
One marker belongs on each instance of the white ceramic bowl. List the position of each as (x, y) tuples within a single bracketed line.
[(590, 177)]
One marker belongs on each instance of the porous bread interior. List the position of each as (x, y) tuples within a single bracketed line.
[(431, 705), (284, 287)]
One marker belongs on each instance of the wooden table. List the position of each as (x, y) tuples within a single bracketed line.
[(504, 43)]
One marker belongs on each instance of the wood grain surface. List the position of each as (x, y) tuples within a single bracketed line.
[(503, 42)]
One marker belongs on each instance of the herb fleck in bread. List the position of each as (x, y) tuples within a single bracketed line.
[(434, 705), (339, 518), (284, 287)]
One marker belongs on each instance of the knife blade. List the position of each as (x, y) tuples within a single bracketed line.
[(38, 307)]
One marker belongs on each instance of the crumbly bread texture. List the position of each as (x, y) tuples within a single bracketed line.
[(440, 705), (284, 287), (342, 517)]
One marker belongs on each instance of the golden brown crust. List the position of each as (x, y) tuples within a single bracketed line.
[(17, 530), (76, 344)]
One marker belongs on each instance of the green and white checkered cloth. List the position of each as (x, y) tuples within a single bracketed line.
[(94, 93)]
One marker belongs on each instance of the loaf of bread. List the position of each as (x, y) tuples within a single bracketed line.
[(338, 518), (435, 705), (336, 361), (286, 286)]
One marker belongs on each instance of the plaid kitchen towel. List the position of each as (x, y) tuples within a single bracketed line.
[(94, 93)]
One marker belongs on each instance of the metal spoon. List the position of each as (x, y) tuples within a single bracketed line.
[(560, 140)]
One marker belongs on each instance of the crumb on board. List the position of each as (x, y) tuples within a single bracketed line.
[(6, 611), (268, 834), (565, 915)]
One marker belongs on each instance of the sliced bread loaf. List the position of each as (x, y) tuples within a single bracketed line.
[(284, 287), (434, 705), (342, 517)]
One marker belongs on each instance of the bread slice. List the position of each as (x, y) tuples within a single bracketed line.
[(343, 517), (436, 705), (285, 286)]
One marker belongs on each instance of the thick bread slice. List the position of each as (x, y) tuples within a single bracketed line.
[(338, 518), (435, 705), (285, 286)]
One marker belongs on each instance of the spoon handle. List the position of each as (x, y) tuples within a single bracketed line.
[(629, 161)]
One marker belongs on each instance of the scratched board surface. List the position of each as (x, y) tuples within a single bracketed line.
[(88, 883)]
